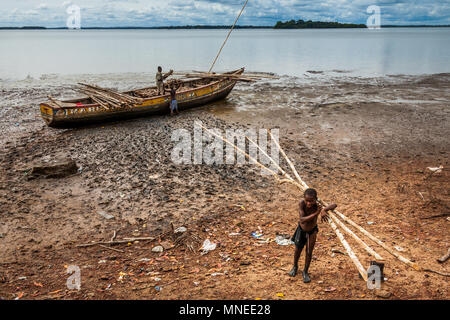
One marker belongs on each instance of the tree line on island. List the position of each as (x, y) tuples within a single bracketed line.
[(301, 24), (291, 24)]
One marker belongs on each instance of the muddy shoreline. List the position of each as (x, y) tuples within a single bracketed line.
[(363, 143)]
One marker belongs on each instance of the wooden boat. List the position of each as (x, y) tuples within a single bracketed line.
[(193, 93)]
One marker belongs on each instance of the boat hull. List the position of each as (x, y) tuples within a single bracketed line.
[(68, 117)]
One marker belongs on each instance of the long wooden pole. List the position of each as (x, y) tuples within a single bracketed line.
[(379, 242), (349, 250), (270, 158), (242, 10), (305, 186), (362, 243), (253, 159)]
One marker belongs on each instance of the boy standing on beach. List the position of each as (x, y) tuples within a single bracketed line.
[(173, 98), (307, 230)]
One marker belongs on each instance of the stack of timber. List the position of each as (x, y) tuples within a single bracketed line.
[(108, 98)]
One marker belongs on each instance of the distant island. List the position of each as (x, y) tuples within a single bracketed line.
[(301, 24)]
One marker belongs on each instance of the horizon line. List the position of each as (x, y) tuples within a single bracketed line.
[(210, 26)]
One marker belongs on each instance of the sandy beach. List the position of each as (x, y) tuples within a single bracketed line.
[(363, 143)]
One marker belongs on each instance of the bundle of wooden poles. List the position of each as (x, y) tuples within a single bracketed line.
[(333, 215), (248, 77), (107, 98)]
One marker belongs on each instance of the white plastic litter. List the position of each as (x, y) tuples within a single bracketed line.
[(208, 246), (282, 241), (180, 230), (105, 215), (435, 169)]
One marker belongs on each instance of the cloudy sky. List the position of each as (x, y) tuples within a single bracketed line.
[(148, 13)]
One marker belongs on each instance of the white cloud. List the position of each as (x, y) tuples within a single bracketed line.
[(182, 12)]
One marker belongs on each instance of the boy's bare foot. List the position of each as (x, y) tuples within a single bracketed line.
[(306, 278), (293, 271)]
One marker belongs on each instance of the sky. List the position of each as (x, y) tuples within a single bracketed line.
[(151, 13)]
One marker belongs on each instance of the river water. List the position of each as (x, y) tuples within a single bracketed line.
[(353, 52)]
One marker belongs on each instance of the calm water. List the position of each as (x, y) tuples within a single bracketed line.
[(359, 52)]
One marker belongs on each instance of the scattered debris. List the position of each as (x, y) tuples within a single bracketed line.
[(180, 230), (282, 241), (234, 234), (399, 249), (435, 169), (338, 251), (383, 293), (158, 249), (369, 222), (330, 289), (167, 245), (439, 215), (444, 257), (105, 215), (224, 256), (208, 246), (257, 234)]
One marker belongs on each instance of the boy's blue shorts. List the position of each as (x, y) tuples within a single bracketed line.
[(174, 105)]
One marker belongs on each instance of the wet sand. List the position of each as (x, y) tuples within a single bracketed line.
[(363, 143)]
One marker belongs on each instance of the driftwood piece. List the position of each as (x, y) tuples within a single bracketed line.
[(113, 249), (439, 215), (126, 240), (437, 272)]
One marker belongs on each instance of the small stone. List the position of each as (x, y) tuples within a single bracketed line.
[(158, 249), (383, 294)]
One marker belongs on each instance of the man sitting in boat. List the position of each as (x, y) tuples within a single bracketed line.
[(174, 86), (160, 77)]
